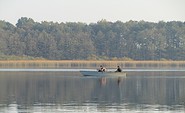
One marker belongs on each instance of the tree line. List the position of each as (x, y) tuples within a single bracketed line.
[(136, 40)]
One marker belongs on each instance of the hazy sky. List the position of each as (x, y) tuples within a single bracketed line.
[(92, 10)]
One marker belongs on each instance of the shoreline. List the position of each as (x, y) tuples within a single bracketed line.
[(64, 64)]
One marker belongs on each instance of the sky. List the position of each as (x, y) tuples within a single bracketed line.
[(92, 11)]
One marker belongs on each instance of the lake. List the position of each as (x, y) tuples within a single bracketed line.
[(66, 90)]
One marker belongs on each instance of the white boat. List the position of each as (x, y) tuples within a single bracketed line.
[(108, 73)]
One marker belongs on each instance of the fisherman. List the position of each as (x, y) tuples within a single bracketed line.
[(118, 69), (102, 69)]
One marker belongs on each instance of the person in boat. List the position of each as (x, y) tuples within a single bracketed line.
[(102, 69), (118, 69)]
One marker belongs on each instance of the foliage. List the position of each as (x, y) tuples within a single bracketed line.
[(13, 57), (103, 40)]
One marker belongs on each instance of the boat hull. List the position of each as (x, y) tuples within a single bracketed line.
[(100, 74)]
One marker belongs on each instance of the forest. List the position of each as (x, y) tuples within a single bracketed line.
[(104, 40)]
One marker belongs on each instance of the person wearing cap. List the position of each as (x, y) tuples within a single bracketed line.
[(118, 69)]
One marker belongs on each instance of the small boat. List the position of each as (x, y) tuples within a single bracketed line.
[(102, 74)]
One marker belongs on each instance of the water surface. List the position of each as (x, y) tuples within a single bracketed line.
[(68, 91)]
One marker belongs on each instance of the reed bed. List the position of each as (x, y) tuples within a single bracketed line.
[(75, 64)]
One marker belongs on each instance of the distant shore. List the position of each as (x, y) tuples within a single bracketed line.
[(89, 64)]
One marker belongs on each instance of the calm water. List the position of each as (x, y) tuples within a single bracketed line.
[(55, 91)]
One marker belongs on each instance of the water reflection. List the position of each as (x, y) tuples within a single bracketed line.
[(65, 91)]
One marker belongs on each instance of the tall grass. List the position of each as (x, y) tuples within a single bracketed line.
[(89, 64)]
